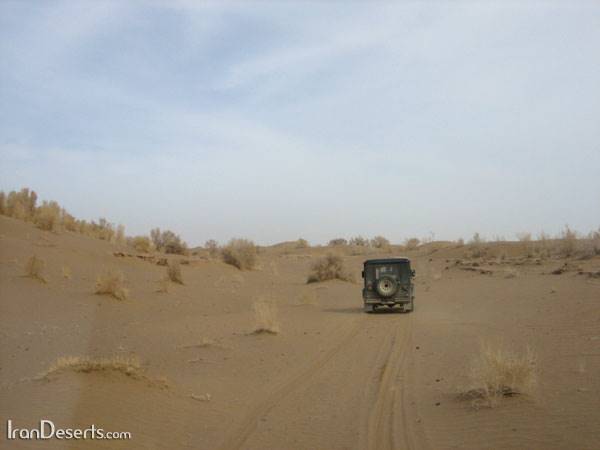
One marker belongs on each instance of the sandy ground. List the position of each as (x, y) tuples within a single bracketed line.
[(333, 378)]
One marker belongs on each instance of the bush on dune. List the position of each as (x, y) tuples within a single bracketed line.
[(330, 267), (240, 253)]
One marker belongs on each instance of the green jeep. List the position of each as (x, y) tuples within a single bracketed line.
[(388, 282)]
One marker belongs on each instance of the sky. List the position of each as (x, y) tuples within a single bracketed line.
[(279, 120)]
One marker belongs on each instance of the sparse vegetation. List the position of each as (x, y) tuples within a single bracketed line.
[(112, 283), (412, 243), (330, 267), (498, 373), (129, 366), (34, 268), (359, 241), (265, 315), (337, 242), (241, 253), (50, 216), (302, 243), (568, 241), (168, 242), (174, 271), (213, 248), (141, 244), (380, 242)]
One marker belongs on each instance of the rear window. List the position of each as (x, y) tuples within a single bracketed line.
[(399, 271)]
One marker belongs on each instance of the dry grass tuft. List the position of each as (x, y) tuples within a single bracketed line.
[(112, 283), (34, 268), (174, 272), (497, 373), (240, 253), (129, 366), (265, 315), (330, 267)]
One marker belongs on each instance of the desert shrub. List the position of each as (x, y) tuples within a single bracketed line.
[(302, 243), (265, 316), (112, 283), (174, 271), (411, 243), (213, 248), (34, 268), (337, 242), (498, 373), (594, 239), (120, 235), (168, 242), (359, 241), (330, 267), (477, 249), (241, 253), (379, 242), (21, 205), (460, 242), (567, 242), (525, 239), (129, 366), (141, 244), (48, 216), (476, 239)]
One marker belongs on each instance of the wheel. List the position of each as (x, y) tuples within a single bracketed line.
[(386, 286)]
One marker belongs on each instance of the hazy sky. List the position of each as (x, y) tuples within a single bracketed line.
[(320, 119)]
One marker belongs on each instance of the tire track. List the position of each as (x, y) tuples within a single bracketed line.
[(383, 420), (250, 423)]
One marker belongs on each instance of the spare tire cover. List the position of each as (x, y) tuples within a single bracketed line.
[(386, 286)]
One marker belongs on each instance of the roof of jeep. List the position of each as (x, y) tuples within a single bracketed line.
[(387, 261)]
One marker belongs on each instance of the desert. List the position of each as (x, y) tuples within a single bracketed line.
[(189, 351)]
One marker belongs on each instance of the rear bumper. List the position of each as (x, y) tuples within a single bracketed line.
[(391, 301)]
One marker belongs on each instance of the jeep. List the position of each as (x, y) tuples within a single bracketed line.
[(388, 282)]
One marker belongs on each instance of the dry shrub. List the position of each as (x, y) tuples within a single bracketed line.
[(337, 242), (48, 216), (412, 243), (498, 373), (112, 283), (141, 244), (129, 366), (302, 243), (241, 253), (168, 242), (330, 267), (265, 315), (359, 241), (34, 268), (568, 242), (174, 272), (379, 242), (213, 248)]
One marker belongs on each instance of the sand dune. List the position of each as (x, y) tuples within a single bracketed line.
[(331, 377)]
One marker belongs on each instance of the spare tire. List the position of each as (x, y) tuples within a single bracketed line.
[(386, 286)]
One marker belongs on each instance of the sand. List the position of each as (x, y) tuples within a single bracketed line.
[(332, 377)]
